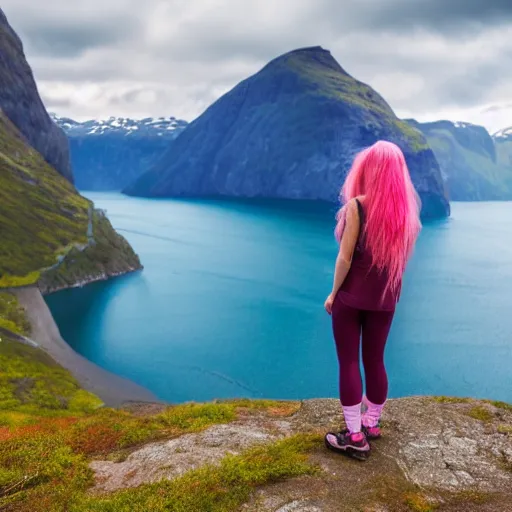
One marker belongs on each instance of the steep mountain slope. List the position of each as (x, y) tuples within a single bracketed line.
[(289, 131), (50, 234), (21, 103), (503, 142), (110, 154), (468, 159)]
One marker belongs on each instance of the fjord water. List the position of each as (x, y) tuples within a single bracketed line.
[(230, 303)]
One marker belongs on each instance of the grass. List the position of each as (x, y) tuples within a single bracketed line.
[(44, 460), (221, 488), (481, 413), (32, 386), (500, 405), (418, 502), (50, 429), (111, 254), (40, 211), (338, 85), (12, 315), (472, 174), (450, 400)]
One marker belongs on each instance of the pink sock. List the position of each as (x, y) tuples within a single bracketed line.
[(352, 416), (373, 412)]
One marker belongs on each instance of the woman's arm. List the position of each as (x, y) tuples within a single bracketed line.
[(346, 252)]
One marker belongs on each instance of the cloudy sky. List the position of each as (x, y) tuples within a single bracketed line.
[(430, 59)]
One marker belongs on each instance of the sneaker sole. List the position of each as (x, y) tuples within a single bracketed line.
[(349, 452)]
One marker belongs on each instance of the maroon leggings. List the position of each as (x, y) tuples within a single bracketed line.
[(349, 327)]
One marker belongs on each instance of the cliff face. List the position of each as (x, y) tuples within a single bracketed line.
[(472, 164), (289, 131), (503, 142), (50, 234), (20, 101), (111, 154)]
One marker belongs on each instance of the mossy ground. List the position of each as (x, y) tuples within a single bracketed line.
[(472, 175), (109, 254), (331, 83), (12, 315), (44, 458), (50, 429), (40, 211), (42, 218)]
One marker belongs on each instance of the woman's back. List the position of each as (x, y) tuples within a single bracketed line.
[(365, 286)]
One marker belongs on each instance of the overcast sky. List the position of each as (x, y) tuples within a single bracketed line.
[(430, 59)]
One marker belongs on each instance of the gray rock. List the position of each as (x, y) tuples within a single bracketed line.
[(20, 101), (432, 453)]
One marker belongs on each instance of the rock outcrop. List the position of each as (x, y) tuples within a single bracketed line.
[(473, 166), (290, 131), (21, 103), (111, 154), (503, 142), (436, 454)]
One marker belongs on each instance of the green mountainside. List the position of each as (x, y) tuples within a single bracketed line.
[(49, 231), (472, 164)]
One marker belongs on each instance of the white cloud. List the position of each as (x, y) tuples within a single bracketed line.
[(174, 57)]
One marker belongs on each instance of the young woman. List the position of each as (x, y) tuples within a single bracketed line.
[(376, 229)]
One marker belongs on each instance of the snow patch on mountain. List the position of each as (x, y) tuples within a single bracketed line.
[(170, 127), (506, 133)]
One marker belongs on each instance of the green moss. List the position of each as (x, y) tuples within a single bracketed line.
[(480, 413), (110, 254), (50, 429), (194, 417), (12, 315), (471, 172), (500, 405), (505, 429), (450, 400), (418, 502), (31, 383), (40, 211), (332, 83), (222, 488), (272, 407), (10, 281)]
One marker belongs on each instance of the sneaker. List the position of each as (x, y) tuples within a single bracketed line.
[(353, 445), (372, 433)]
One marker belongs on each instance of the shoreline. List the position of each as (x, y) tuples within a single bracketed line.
[(113, 390)]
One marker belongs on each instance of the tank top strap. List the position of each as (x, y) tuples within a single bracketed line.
[(360, 211)]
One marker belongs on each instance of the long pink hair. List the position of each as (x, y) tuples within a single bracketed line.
[(391, 205)]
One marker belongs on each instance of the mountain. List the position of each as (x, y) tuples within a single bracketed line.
[(289, 131), (110, 154), (50, 235), (21, 103), (503, 142), (468, 157)]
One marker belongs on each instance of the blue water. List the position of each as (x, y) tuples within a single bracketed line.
[(230, 303)]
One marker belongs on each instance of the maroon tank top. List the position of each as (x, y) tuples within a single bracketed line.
[(364, 286)]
